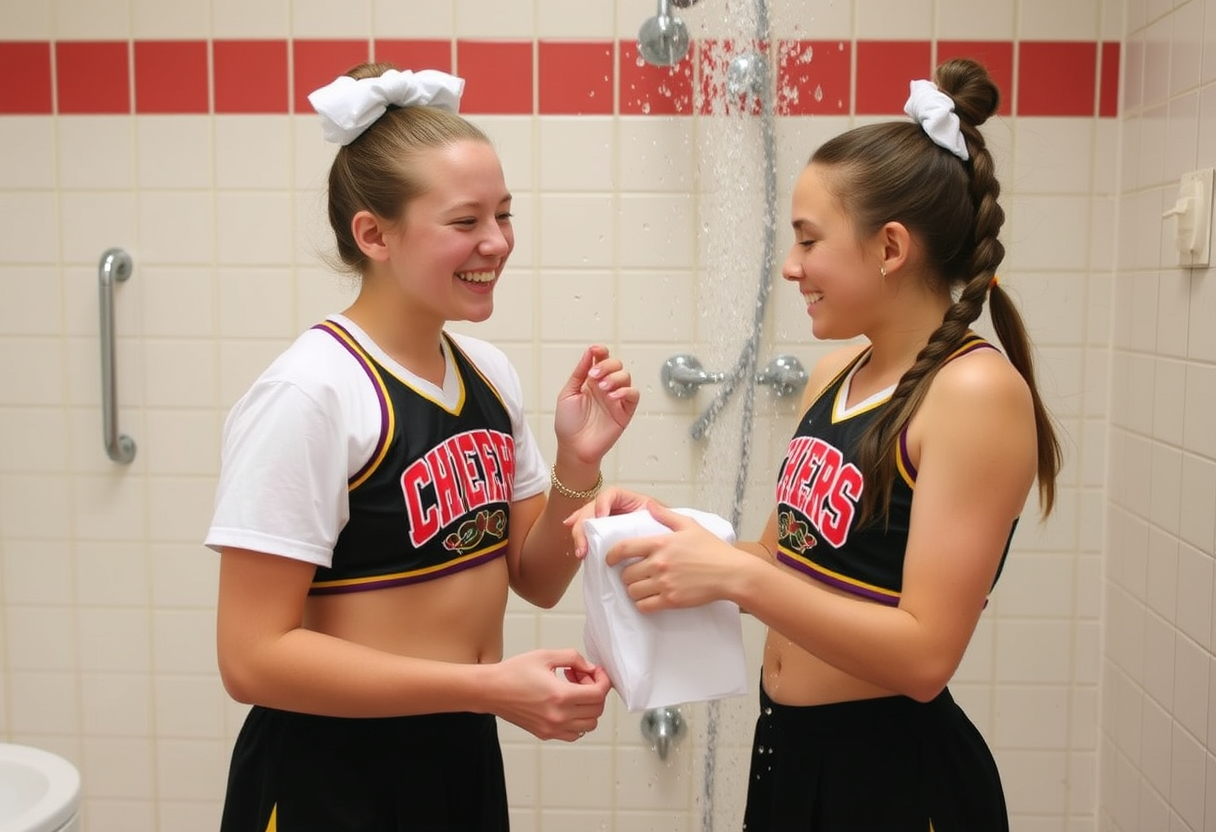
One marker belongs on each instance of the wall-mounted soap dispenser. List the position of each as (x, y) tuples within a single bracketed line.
[(1193, 219)]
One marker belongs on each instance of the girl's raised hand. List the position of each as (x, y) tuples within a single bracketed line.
[(595, 405)]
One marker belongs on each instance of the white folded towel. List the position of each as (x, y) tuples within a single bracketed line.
[(663, 658)]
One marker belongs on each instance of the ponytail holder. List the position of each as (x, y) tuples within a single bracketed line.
[(992, 284), (934, 110), (348, 106)]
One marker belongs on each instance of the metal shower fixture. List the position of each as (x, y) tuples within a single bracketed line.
[(663, 39)]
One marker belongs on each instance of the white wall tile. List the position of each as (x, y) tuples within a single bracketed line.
[(577, 230), (1187, 778), (114, 640), (957, 20), (41, 702), (1049, 232), (1191, 691), (106, 815), (1161, 592), (1155, 747), (29, 226), (1209, 43), (1199, 410), (1045, 20), (116, 704), (86, 20), (188, 815), (1033, 781), (893, 20), (576, 153), (392, 19), (188, 706), (1181, 152), (331, 19), (1186, 45), (110, 574), (1045, 156), (813, 20), (99, 220), (255, 303), (1159, 661), (29, 158), (559, 19), (172, 152), (40, 638), (179, 509), (175, 228), (30, 506), (190, 769), (157, 20), (27, 21), (37, 573), (249, 152), (1031, 717), (253, 228), (238, 20), (577, 306), (34, 439), (655, 232), (494, 19), (1195, 570), (1165, 482)]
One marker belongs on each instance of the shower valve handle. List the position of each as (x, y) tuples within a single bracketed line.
[(784, 374), (682, 375)]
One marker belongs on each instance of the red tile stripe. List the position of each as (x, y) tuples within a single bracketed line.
[(863, 77)]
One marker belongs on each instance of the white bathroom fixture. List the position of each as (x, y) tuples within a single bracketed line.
[(39, 791), (1193, 219)]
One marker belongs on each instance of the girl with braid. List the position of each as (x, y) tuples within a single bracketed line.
[(899, 492)]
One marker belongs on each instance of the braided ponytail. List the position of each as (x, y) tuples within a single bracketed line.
[(894, 172)]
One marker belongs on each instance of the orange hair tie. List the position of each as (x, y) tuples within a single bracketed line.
[(992, 284)]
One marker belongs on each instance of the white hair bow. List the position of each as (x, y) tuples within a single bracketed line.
[(935, 112), (348, 106)]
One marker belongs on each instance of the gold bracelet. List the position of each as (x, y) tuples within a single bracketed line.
[(570, 493)]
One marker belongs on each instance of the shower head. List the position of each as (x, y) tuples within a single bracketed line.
[(663, 39)]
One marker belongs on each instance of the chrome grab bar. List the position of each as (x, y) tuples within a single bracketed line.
[(115, 266)]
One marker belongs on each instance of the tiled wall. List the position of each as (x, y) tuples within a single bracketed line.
[(1158, 727), (177, 130)]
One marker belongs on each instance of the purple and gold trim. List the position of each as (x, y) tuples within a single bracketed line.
[(413, 576), (837, 580), (387, 417)]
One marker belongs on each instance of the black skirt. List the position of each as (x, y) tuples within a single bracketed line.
[(301, 773), (875, 765)]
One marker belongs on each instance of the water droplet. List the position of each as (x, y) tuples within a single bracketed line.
[(818, 93)]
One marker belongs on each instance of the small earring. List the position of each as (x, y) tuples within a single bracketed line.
[(882, 270)]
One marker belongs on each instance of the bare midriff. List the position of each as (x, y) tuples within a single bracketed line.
[(792, 676), (457, 618)]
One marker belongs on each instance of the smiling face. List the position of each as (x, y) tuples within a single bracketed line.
[(837, 273), (450, 247)]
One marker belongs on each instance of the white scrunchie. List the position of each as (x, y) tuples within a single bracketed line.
[(348, 106), (935, 112)]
